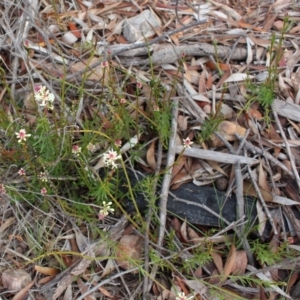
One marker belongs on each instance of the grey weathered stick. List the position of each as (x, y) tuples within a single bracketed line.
[(286, 109), (167, 176), (239, 191), (241, 210), (288, 211), (267, 155), (140, 45), (166, 182), (262, 200), (215, 156), (190, 104), (167, 54), (288, 149), (226, 143), (242, 142), (158, 39)]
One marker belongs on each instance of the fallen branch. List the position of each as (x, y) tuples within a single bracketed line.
[(167, 54), (215, 156), (140, 45)]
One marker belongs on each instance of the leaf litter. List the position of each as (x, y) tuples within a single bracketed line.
[(224, 75)]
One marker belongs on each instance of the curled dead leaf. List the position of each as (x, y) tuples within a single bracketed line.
[(150, 156), (69, 38), (240, 263), (228, 130), (15, 279), (46, 270), (250, 190), (92, 75), (230, 261), (216, 256), (182, 122), (129, 251)]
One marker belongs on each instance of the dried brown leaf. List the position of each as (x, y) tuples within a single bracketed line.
[(176, 224), (240, 263), (262, 218), (15, 279), (92, 75), (177, 180), (178, 166), (46, 279), (84, 288), (283, 87), (217, 258), (198, 273), (196, 286), (109, 267), (255, 114), (230, 11), (46, 270), (106, 293), (230, 261), (249, 189), (129, 251), (23, 292), (8, 222), (183, 232), (236, 77), (294, 278), (278, 25), (262, 177), (150, 156), (270, 22), (69, 38), (68, 293), (193, 235), (80, 242), (182, 122), (229, 129), (216, 166)]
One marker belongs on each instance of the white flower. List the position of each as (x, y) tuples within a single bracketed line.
[(110, 157), (76, 150), (43, 176), (118, 143), (104, 64), (187, 143), (22, 172), (22, 135), (155, 108), (182, 296), (44, 191), (91, 147), (139, 85), (105, 210), (43, 97)]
